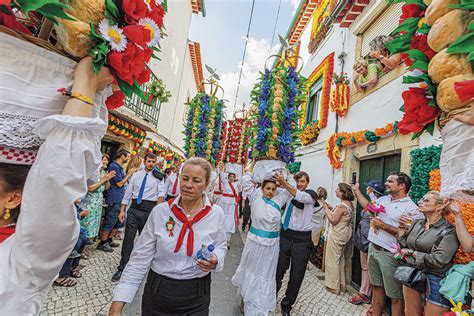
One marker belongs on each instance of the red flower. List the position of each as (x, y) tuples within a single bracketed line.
[(157, 13), (130, 64), (410, 11), (9, 20), (465, 90), (407, 60), (115, 100), (134, 10), (420, 42), (137, 34), (417, 111)]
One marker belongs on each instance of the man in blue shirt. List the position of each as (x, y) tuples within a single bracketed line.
[(113, 199)]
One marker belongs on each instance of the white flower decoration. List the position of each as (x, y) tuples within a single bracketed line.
[(114, 35), (155, 33)]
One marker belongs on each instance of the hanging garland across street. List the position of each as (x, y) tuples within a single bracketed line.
[(203, 127), (170, 156), (278, 94), (128, 130), (337, 141)]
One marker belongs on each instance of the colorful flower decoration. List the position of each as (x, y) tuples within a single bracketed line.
[(310, 133), (321, 23), (125, 41), (337, 141), (236, 146), (340, 95), (467, 212), (122, 128), (278, 95), (157, 92), (325, 69), (423, 161), (203, 127), (411, 42), (170, 156)]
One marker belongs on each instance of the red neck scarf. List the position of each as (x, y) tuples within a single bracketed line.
[(187, 224), (237, 199), (6, 232), (175, 185)]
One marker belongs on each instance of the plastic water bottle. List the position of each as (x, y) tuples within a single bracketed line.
[(205, 253)]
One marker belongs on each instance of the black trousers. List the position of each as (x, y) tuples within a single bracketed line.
[(137, 216), (295, 248), (165, 296), (246, 214)]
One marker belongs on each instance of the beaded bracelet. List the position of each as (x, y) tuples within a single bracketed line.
[(76, 95)]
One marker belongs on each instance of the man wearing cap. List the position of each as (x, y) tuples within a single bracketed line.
[(382, 235)]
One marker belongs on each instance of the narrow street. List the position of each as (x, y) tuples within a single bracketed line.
[(93, 293)]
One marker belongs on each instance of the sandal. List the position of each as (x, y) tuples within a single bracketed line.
[(359, 299), (76, 273), (65, 282)]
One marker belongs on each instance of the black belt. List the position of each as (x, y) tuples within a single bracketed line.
[(178, 287), (145, 205), (378, 248), (295, 235)]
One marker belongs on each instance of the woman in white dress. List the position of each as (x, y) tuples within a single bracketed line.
[(229, 200), (256, 273), (47, 227)]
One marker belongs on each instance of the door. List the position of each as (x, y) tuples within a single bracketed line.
[(110, 148), (371, 169)]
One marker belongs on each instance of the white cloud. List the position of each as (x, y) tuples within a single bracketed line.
[(257, 53)]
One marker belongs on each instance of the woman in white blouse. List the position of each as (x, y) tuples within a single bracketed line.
[(256, 273), (47, 228), (177, 283)]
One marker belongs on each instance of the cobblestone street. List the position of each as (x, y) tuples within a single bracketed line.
[(92, 294)]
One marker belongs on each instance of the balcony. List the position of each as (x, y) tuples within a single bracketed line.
[(149, 113)]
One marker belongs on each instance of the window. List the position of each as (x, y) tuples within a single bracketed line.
[(384, 24), (314, 100)]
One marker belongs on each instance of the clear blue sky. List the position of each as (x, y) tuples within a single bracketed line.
[(221, 35)]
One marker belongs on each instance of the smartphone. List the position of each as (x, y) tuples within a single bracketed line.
[(354, 178)]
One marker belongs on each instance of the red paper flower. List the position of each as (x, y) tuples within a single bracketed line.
[(157, 13), (420, 42), (410, 11), (417, 111), (137, 34), (465, 90), (130, 64), (134, 10), (9, 20), (115, 100)]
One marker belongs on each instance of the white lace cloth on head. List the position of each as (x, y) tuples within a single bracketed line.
[(29, 79), (457, 162)]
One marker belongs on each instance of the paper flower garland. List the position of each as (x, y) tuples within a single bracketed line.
[(337, 141), (423, 160), (310, 133), (223, 142), (340, 95), (203, 127), (121, 128), (125, 41), (325, 69), (467, 212), (170, 156), (321, 24), (236, 146), (411, 42), (278, 96)]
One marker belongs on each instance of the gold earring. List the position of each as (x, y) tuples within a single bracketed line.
[(6, 215)]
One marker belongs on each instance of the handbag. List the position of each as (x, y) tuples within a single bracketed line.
[(361, 236), (415, 278)]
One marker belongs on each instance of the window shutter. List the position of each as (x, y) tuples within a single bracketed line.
[(383, 25)]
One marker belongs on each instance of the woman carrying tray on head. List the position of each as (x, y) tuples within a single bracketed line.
[(255, 275)]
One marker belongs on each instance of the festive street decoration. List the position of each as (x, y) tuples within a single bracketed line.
[(337, 141), (170, 156), (467, 212), (223, 142), (128, 130), (157, 92), (310, 133), (324, 70), (340, 95), (321, 23), (237, 143), (278, 94), (423, 160), (204, 122)]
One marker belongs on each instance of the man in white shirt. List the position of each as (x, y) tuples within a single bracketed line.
[(145, 191), (382, 235), (172, 184), (295, 237)]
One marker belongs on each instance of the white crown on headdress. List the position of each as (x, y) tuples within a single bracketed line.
[(30, 77)]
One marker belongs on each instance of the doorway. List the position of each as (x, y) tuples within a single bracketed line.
[(371, 169), (110, 148)]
